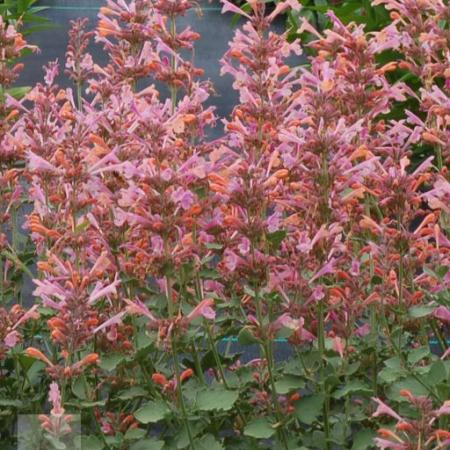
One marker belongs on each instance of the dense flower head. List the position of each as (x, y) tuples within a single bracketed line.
[(310, 223)]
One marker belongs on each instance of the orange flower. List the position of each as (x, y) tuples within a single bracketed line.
[(404, 426), (186, 374), (37, 354), (106, 28), (159, 378)]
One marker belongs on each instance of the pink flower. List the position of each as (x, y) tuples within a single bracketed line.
[(11, 339), (183, 197), (326, 269), (363, 330), (139, 308), (442, 313), (385, 410), (54, 397), (103, 291), (338, 346), (282, 6), (229, 7), (273, 222), (444, 409), (39, 164), (203, 309)]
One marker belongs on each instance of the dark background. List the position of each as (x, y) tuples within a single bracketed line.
[(215, 28)]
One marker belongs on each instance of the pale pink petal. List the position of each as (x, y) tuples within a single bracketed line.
[(442, 313), (203, 309), (115, 320), (11, 339), (229, 7), (385, 410)]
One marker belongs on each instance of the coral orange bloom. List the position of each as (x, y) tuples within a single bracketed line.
[(404, 426), (37, 354), (160, 379), (92, 358), (106, 28), (186, 374)]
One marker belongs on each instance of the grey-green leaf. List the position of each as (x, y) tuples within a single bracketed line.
[(152, 412), (216, 398), (259, 428), (308, 409)]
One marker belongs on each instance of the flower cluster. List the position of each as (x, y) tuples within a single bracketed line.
[(308, 224)]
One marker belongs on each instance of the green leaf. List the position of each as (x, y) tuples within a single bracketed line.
[(6, 402), (308, 409), (131, 393), (136, 433), (91, 443), (208, 442), (245, 337), (409, 383), (152, 412), (216, 398), (437, 373), (354, 387), (147, 444), (276, 238), (213, 246), (18, 92), (288, 384), (418, 312), (79, 387), (393, 363), (417, 354), (389, 375), (363, 439), (109, 363), (259, 428)]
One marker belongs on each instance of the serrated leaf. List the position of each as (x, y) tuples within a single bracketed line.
[(437, 373), (417, 312), (409, 383), (208, 442), (131, 393), (288, 383), (245, 337), (152, 412), (79, 388), (217, 398), (393, 363), (147, 444), (136, 433), (363, 439), (389, 375), (109, 363), (417, 354), (352, 388), (308, 409), (259, 428)]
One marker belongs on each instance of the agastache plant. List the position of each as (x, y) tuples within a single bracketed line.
[(309, 226)]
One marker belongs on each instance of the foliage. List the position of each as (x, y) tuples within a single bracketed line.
[(24, 13), (157, 249)]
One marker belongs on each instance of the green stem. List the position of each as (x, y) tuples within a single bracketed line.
[(180, 394), (326, 404), (79, 97), (213, 348), (198, 364), (267, 350), (374, 337)]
